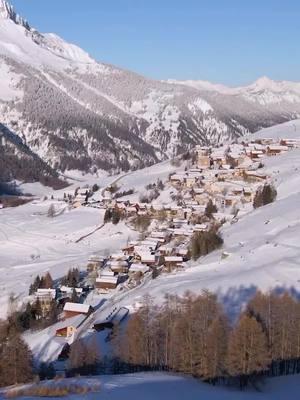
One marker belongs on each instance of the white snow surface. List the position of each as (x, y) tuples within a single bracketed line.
[(32, 243), (163, 386)]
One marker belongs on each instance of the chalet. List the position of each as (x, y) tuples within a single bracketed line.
[(290, 143), (129, 249), (191, 179), (43, 293), (69, 290), (118, 266), (151, 244), (178, 223), (177, 232), (182, 252), (255, 176), (274, 150), (68, 328), (165, 250), (237, 191), (73, 309), (172, 262), (106, 282), (95, 263), (141, 268), (45, 297), (203, 161), (148, 259), (256, 154), (159, 235)]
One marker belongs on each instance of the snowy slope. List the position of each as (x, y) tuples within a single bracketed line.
[(263, 249), (32, 243), (162, 386), (288, 130)]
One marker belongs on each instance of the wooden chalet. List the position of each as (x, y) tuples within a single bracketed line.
[(74, 309), (172, 262), (106, 282)]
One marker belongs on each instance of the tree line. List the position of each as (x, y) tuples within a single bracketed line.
[(193, 335)]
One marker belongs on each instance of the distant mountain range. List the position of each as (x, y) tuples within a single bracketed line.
[(73, 112)]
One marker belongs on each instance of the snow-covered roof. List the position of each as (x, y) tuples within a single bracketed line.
[(46, 292), (77, 307), (106, 272), (147, 257), (136, 267), (107, 279), (277, 148), (67, 289), (173, 259)]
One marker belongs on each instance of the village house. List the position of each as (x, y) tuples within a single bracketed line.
[(106, 283), (68, 328), (172, 262), (118, 266), (274, 150), (290, 143), (183, 252), (138, 268), (255, 176), (165, 250), (69, 290), (45, 298), (128, 250), (95, 263), (74, 309)]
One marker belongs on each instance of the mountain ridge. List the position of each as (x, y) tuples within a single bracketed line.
[(77, 113)]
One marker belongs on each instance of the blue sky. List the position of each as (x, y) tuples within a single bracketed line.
[(228, 41)]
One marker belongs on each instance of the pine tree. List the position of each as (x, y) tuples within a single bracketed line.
[(77, 357), (16, 359), (47, 281), (210, 209), (51, 211), (75, 297)]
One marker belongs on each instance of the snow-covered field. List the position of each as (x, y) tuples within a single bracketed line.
[(159, 386), (31, 243)]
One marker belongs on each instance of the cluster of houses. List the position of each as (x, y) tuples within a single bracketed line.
[(226, 177)]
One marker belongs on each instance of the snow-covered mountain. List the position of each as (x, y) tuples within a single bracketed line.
[(76, 113)]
